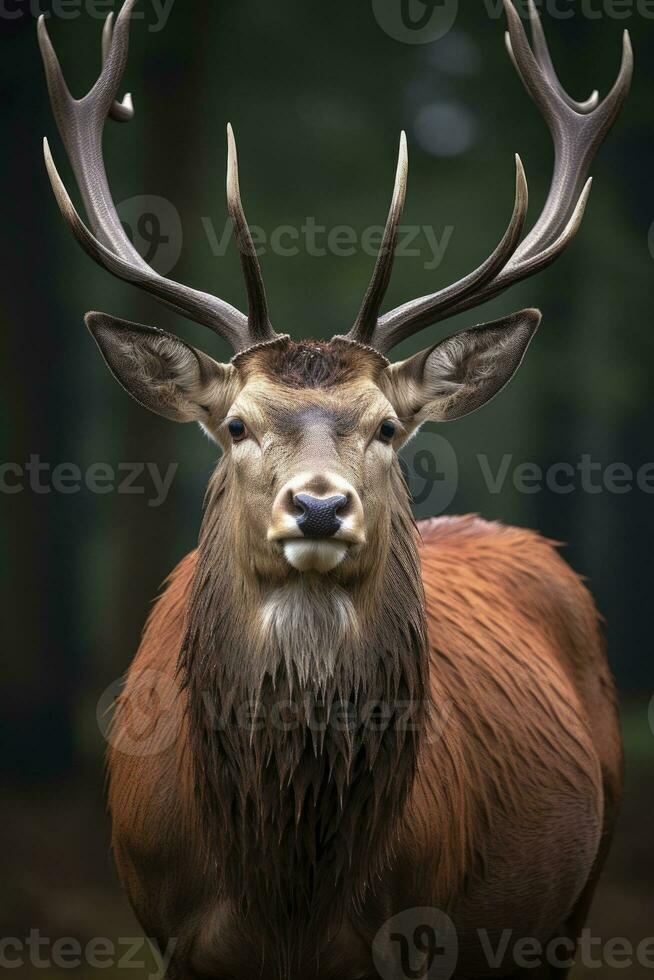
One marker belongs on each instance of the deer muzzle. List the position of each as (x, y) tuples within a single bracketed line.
[(317, 519)]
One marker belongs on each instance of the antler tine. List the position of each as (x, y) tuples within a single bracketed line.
[(394, 327), (197, 305), (259, 323), (366, 321), (542, 53), (587, 106), (120, 111), (81, 124), (515, 273), (577, 129), (576, 135), (115, 54), (59, 92)]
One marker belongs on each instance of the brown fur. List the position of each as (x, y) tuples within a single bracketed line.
[(280, 853), (287, 808), (526, 734), (313, 364)]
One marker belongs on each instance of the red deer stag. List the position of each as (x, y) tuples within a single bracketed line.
[(357, 718)]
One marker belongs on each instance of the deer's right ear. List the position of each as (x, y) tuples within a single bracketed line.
[(163, 373)]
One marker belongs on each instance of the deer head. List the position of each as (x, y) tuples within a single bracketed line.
[(310, 431)]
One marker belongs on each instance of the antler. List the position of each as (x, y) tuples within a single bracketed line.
[(577, 129), (81, 125)]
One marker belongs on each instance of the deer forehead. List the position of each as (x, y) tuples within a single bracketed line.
[(290, 388)]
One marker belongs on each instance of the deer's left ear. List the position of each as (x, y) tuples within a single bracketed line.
[(460, 374)]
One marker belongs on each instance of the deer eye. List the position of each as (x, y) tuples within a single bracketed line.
[(237, 429), (387, 430)]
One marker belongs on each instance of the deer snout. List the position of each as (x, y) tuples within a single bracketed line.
[(317, 518)]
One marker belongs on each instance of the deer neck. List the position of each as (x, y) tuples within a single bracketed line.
[(306, 699)]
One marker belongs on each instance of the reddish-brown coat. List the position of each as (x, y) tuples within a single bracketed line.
[(517, 786)]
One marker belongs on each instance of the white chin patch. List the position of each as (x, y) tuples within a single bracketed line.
[(314, 556)]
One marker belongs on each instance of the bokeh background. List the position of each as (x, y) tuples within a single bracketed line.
[(318, 94)]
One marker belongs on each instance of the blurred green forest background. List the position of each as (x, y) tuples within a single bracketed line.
[(317, 93)]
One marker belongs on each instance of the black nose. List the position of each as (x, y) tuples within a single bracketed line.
[(319, 517)]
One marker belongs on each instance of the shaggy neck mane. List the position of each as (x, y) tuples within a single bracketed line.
[(305, 703)]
